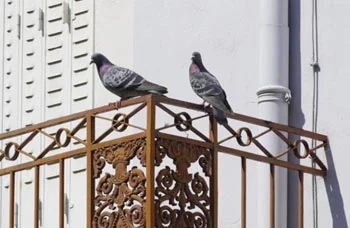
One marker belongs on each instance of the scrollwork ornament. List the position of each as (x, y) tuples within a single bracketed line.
[(182, 199), (120, 196)]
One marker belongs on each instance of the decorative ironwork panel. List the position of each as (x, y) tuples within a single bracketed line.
[(120, 196), (182, 198)]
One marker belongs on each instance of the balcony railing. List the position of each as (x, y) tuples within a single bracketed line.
[(153, 162)]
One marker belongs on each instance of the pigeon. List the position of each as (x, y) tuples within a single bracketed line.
[(123, 82), (206, 86)]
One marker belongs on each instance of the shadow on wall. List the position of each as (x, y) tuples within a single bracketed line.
[(335, 198), (296, 115)]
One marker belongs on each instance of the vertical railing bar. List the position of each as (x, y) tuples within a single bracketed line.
[(272, 196), (36, 196), (213, 135), (244, 193), (61, 194), (301, 200), (90, 138), (12, 200), (150, 155)]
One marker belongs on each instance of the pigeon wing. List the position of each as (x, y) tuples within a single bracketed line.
[(203, 84), (121, 78), (207, 87)]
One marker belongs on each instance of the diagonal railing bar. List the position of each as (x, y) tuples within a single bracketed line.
[(16, 153), (120, 122), (46, 150), (283, 137), (261, 147), (70, 134), (26, 154), (284, 152), (311, 153), (230, 129), (81, 141), (177, 124), (262, 133), (226, 139), (293, 147), (27, 140), (193, 129), (111, 129), (318, 146), (78, 127), (318, 161), (46, 134), (252, 139)]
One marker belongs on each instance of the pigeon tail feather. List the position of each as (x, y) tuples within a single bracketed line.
[(220, 116), (152, 88)]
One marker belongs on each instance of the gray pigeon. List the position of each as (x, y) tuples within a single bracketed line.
[(206, 86), (123, 82)]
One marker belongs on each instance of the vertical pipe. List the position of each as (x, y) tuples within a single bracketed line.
[(12, 200), (301, 200), (273, 98), (213, 129), (61, 194), (36, 196), (243, 193), (90, 182), (272, 196), (150, 152)]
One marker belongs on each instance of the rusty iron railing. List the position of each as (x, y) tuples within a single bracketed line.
[(139, 170)]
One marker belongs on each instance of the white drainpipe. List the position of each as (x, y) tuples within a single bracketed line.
[(273, 98)]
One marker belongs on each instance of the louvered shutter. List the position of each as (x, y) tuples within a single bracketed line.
[(82, 99), (10, 88), (57, 94), (31, 98)]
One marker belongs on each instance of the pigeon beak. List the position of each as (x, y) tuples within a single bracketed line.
[(91, 62)]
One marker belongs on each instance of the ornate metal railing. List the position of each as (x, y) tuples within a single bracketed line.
[(153, 162)]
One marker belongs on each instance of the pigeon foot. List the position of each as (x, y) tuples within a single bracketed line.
[(205, 105), (116, 104)]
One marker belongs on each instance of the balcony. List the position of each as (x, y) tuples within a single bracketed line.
[(153, 162)]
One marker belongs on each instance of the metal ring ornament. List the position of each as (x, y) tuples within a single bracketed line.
[(249, 136), (296, 150), (7, 151), (183, 121), (120, 124), (58, 137)]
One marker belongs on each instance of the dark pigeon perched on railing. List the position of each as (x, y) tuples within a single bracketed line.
[(206, 86), (124, 82)]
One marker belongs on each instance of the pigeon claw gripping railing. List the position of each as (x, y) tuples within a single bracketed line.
[(140, 171)]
